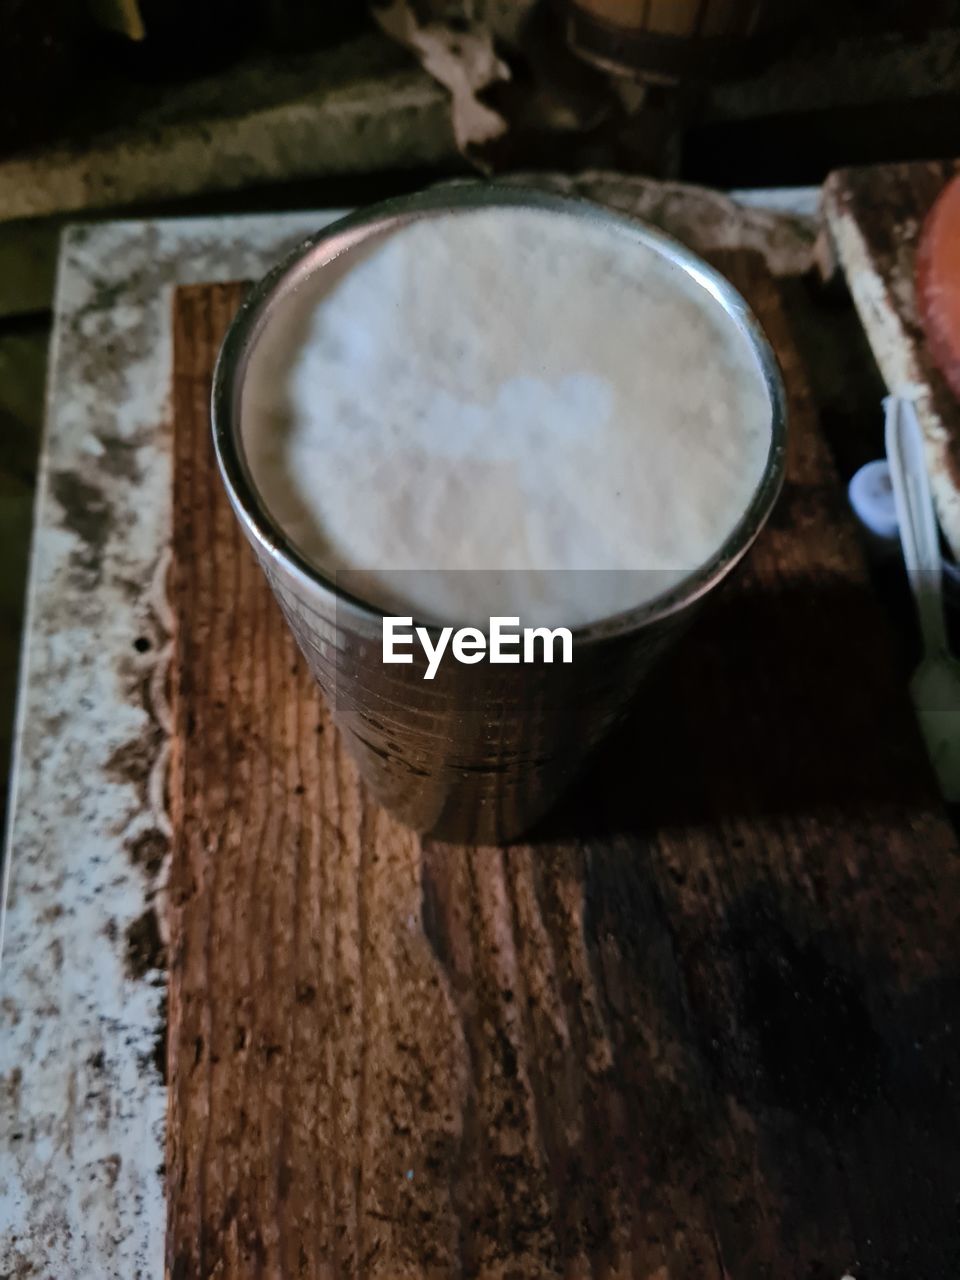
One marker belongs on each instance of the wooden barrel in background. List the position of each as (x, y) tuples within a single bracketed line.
[(668, 40)]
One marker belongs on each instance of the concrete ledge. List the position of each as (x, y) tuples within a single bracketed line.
[(352, 110)]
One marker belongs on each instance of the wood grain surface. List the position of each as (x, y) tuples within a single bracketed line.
[(875, 216), (705, 1024)]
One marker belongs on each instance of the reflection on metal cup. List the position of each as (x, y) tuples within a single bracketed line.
[(479, 752)]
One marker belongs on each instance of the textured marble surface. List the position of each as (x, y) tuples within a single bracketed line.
[(82, 1020), (82, 1017)]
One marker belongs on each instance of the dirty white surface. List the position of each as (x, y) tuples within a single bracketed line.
[(82, 1017)]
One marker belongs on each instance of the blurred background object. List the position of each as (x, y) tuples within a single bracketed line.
[(744, 92), (670, 40), (938, 283), (39, 67), (123, 16)]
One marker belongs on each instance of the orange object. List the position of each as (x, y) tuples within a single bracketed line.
[(938, 282)]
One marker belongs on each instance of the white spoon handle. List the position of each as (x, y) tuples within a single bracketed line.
[(918, 522)]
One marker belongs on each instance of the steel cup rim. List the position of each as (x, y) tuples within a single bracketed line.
[(268, 537)]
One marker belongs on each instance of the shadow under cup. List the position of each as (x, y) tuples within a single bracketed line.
[(480, 751)]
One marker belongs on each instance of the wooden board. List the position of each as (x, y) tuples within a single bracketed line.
[(704, 1025), (875, 216)]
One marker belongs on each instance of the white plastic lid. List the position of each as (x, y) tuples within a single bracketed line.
[(871, 496)]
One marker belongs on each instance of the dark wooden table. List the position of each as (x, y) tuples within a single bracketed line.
[(703, 1024)]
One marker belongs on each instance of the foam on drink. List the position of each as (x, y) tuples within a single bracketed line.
[(547, 416)]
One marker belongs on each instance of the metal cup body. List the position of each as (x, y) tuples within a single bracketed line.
[(480, 752), (477, 753)]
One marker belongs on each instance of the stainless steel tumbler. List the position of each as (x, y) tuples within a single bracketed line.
[(480, 752)]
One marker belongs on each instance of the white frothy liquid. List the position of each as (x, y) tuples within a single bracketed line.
[(549, 416)]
